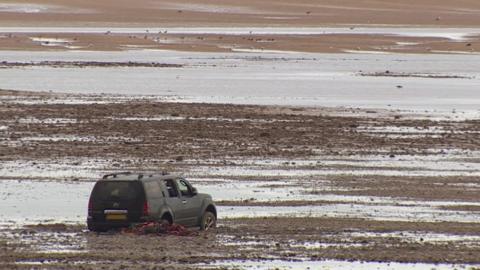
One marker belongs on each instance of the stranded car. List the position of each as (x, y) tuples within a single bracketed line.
[(122, 199)]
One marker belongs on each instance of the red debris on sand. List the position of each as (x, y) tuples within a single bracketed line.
[(159, 229)]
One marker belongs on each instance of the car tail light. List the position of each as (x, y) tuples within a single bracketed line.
[(90, 206), (145, 209)]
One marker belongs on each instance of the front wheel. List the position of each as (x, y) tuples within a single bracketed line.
[(209, 221)]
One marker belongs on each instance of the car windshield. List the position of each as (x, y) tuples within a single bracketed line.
[(116, 190)]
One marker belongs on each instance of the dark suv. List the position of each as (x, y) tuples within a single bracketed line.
[(122, 199)]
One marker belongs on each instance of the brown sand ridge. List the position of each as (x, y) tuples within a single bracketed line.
[(329, 43), (247, 13)]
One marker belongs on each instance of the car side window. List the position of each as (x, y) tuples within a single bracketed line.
[(171, 189), (184, 188)]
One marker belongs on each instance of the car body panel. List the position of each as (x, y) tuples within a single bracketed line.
[(192, 203)]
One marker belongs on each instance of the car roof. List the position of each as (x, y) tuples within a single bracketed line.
[(128, 176)]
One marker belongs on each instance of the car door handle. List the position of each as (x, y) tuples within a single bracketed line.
[(184, 201)]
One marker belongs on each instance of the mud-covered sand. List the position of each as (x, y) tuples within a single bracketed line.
[(313, 240), (152, 129), (380, 170)]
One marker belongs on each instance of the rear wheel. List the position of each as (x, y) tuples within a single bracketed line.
[(166, 220), (209, 221), (96, 228)]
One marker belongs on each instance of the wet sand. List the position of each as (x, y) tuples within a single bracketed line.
[(262, 133), (236, 13), (273, 157), (310, 240), (231, 14)]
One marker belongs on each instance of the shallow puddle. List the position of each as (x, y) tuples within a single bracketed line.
[(67, 169), (28, 8), (458, 34), (43, 201), (374, 212), (262, 78), (423, 237)]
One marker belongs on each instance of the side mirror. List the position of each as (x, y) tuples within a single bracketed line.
[(194, 191)]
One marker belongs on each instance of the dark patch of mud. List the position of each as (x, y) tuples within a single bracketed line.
[(471, 208), (54, 227), (388, 73), (438, 188), (200, 131)]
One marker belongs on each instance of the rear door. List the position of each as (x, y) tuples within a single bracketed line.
[(117, 201), (155, 198)]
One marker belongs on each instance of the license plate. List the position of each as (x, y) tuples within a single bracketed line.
[(116, 217)]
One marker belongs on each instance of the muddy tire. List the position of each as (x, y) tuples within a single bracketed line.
[(92, 228), (165, 224), (166, 220), (208, 222)]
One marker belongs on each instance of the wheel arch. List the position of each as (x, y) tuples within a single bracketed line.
[(211, 208), (167, 214)]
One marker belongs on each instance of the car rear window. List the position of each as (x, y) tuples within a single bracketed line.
[(117, 190)]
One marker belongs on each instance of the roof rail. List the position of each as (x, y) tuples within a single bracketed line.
[(114, 175)]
